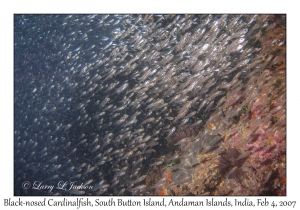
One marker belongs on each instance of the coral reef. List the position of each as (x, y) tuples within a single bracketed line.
[(241, 150)]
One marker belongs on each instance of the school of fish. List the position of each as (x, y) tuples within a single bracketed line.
[(97, 96)]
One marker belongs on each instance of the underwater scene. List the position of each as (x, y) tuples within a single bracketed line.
[(151, 104)]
